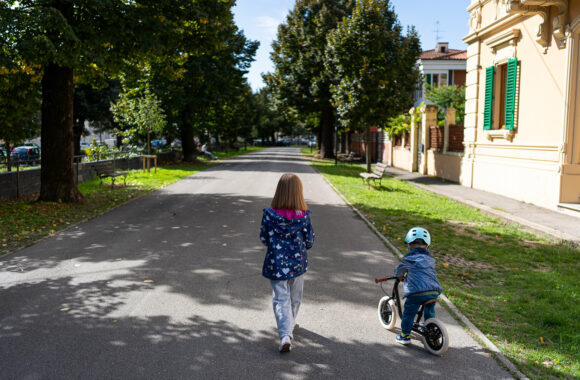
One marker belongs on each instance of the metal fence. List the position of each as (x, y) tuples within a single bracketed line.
[(23, 178)]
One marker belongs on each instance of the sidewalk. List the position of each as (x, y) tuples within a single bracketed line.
[(536, 219)]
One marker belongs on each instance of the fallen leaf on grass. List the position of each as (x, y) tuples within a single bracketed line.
[(445, 265)]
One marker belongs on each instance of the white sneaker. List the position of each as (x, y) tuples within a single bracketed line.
[(285, 344)]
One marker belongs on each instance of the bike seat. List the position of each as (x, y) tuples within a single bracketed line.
[(433, 300)]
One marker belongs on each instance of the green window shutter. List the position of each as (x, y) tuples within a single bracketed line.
[(428, 79), (488, 107), (510, 92)]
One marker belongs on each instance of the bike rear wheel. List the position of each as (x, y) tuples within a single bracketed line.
[(387, 310), (435, 339)]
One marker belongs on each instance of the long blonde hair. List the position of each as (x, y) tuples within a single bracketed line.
[(289, 194)]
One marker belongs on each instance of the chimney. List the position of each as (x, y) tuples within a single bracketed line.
[(442, 47)]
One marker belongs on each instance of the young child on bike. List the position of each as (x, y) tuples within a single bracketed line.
[(420, 283), (287, 232)]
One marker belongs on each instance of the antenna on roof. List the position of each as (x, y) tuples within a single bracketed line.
[(437, 31)]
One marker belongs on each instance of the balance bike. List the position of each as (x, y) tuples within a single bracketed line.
[(432, 331)]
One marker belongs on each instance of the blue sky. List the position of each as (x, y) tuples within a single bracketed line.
[(259, 20)]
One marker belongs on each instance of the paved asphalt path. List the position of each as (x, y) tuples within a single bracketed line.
[(170, 286)]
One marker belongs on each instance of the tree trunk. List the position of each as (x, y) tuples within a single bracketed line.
[(187, 145), (8, 157), (368, 150), (57, 180), (327, 133)]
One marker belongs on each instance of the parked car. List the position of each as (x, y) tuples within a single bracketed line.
[(26, 154), (31, 144), (312, 143), (158, 143)]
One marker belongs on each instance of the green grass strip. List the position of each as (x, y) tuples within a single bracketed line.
[(521, 290), (24, 222)]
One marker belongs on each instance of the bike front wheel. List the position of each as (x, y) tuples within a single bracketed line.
[(387, 312), (435, 339)]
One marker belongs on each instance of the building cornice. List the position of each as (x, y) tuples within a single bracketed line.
[(510, 37), (480, 33), (542, 8), (523, 8), (476, 4)]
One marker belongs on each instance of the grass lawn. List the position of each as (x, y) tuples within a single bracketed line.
[(519, 289), (25, 221)]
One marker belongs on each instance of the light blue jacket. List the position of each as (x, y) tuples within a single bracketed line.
[(420, 269)]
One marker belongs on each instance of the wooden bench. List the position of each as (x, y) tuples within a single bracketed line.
[(377, 174), (107, 169), (348, 157)]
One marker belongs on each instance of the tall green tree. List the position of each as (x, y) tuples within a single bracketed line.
[(206, 75), (84, 41), (300, 79), (373, 64)]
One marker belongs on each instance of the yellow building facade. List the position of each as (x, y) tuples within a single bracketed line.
[(522, 111)]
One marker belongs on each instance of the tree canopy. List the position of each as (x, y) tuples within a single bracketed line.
[(197, 55), (300, 79), (19, 104), (372, 64), (448, 96)]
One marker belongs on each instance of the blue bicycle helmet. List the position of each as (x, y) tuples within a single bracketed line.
[(417, 233)]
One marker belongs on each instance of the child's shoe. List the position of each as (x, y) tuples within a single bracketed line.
[(285, 344), (403, 338)]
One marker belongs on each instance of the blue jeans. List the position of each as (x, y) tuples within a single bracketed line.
[(412, 305), (286, 298)]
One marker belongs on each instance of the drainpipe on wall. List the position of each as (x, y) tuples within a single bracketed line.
[(413, 146)]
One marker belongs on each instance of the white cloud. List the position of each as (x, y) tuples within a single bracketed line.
[(269, 25)]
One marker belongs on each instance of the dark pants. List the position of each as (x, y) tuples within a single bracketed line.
[(412, 305)]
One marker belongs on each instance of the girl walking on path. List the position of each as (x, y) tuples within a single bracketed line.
[(287, 232)]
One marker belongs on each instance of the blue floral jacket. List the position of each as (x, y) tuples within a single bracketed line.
[(287, 241), (421, 276)]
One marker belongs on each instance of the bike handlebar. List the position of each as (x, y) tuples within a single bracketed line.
[(377, 280)]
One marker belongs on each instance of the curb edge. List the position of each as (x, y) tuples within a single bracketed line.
[(470, 326)]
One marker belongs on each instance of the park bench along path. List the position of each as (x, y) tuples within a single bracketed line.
[(170, 286)]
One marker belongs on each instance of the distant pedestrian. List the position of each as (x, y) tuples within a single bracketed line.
[(207, 152), (287, 232)]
